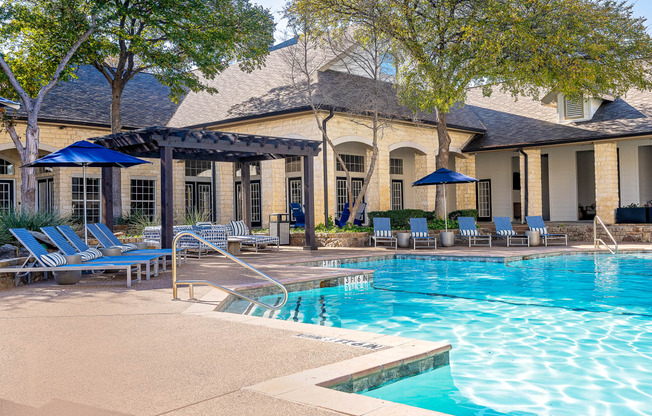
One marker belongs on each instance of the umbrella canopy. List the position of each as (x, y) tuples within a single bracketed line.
[(8, 103), (86, 154), (443, 176)]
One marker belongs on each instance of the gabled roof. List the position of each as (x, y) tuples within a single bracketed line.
[(525, 122), (87, 100)]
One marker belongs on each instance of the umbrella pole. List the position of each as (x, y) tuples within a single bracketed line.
[(445, 213), (85, 212)]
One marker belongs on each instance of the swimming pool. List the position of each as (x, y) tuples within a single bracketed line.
[(567, 335)]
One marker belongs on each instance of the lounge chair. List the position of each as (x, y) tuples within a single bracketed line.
[(238, 230), (359, 215), (45, 262), (536, 224), (504, 229), (470, 231), (90, 257), (383, 233), (343, 217), (419, 233), (298, 214)]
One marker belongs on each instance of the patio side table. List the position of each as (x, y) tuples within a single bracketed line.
[(533, 236), (403, 239)]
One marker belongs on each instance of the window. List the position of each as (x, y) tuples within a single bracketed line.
[(143, 197), (6, 168), (93, 201), (353, 163), (6, 195), (43, 170), (573, 108), (395, 166), (198, 197), (293, 164), (342, 194), (397, 194), (254, 169), (197, 167), (45, 195), (295, 193)]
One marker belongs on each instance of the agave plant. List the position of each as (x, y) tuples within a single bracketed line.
[(31, 220)]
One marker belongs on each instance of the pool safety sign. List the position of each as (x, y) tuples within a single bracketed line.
[(357, 282), (367, 345)]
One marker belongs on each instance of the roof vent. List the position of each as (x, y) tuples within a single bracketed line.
[(573, 108)]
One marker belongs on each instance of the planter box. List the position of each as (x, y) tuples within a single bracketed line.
[(631, 215)]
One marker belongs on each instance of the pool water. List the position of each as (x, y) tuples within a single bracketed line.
[(567, 335)]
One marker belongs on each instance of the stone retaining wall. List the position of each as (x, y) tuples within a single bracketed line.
[(8, 280)]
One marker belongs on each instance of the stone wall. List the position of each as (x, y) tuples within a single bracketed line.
[(606, 180), (623, 233), (535, 201), (8, 280)]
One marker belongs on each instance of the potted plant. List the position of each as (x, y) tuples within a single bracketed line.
[(631, 214)]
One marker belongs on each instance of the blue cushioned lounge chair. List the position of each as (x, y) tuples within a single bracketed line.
[(341, 220), (536, 224), (107, 239), (504, 229), (298, 214), (383, 232), (419, 233), (35, 262), (470, 231), (68, 250)]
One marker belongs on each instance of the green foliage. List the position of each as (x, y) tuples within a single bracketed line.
[(400, 218), (29, 220), (195, 216), (439, 224), (453, 215), (136, 222)]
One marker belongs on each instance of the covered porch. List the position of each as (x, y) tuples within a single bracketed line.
[(169, 144)]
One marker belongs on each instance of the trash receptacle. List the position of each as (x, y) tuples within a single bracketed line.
[(279, 226)]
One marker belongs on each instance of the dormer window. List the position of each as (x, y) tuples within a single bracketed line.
[(573, 109)]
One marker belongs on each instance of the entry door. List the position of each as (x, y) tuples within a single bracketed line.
[(7, 201), (256, 203), (397, 194), (45, 195), (295, 194), (198, 197), (483, 193)]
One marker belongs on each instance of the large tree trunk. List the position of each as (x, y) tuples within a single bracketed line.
[(116, 127), (28, 175), (442, 160)]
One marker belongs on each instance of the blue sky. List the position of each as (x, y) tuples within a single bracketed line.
[(641, 8)]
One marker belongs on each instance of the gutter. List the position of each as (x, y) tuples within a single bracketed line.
[(325, 164), (525, 185)]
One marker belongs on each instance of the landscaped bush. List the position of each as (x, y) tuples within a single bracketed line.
[(32, 221), (400, 218), (136, 222), (453, 215)]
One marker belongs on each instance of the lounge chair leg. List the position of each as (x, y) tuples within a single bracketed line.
[(129, 276), (156, 263)]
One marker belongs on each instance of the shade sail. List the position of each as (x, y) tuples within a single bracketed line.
[(84, 153), (443, 175)]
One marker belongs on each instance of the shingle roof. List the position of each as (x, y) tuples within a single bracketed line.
[(269, 90), (525, 122), (87, 100)]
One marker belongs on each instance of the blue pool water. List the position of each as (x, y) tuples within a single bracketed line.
[(568, 335)]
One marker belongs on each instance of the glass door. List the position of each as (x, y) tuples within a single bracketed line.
[(483, 193)]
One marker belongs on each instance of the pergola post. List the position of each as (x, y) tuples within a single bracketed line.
[(245, 174), (167, 196), (107, 197), (309, 202)]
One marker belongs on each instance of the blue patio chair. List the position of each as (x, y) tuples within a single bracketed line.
[(238, 231), (343, 217), (40, 260), (419, 233), (383, 233), (114, 241), (91, 256), (536, 224), (504, 229), (298, 214), (469, 230), (359, 215)]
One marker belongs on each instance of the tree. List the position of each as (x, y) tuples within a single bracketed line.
[(361, 88), (175, 40), (38, 39), (526, 47)]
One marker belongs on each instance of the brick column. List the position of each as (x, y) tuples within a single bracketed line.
[(382, 176), (273, 188), (465, 192), (606, 180), (535, 201)]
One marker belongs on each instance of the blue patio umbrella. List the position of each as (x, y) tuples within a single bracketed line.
[(8, 103), (441, 177), (85, 154)]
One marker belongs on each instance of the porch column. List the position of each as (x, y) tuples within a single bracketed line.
[(465, 192), (380, 186), (606, 180), (167, 197), (309, 202), (107, 197), (245, 174), (533, 173)]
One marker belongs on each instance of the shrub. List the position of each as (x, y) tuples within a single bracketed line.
[(453, 215), (438, 224), (136, 222), (32, 221), (400, 218)]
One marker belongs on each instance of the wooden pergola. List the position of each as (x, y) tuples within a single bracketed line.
[(167, 144)]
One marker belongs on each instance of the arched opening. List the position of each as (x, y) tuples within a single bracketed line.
[(403, 171)]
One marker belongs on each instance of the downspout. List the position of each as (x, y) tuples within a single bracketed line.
[(525, 168), (325, 165)]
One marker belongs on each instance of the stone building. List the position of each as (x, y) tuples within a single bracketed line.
[(581, 158)]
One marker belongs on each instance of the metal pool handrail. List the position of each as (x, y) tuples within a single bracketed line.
[(597, 241), (191, 283)]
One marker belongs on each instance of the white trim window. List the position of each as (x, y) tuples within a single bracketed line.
[(6, 167), (143, 197), (93, 199), (395, 166), (293, 164), (354, 163)]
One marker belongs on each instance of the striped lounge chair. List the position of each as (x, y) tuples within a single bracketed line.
[(536, 224), (383, 233), (419, 233), (470, 231), (504, 230)]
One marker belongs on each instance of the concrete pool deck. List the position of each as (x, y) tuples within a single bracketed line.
[(99, 348)]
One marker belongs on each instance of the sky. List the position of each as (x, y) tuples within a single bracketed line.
[(641, 8)]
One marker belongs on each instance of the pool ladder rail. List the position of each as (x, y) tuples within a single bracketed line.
[(191, 283), (597, 241)]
